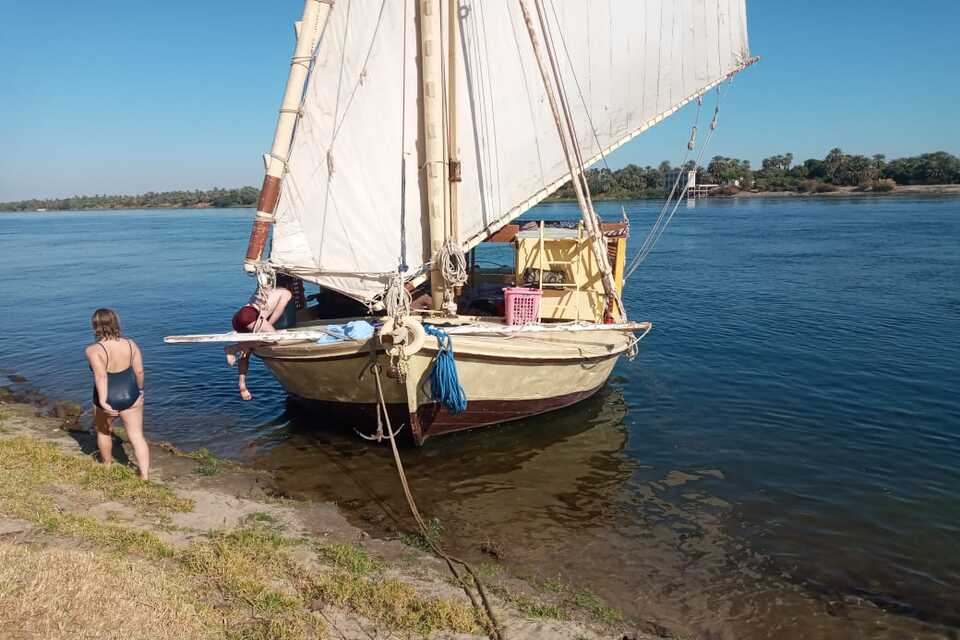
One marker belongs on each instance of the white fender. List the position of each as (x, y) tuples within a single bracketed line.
[(404, 339)]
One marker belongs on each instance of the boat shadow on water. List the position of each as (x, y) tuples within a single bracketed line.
[(501, 472)]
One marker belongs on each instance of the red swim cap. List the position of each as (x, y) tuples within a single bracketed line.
[(243, 318)]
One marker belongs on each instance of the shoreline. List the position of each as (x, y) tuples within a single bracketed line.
[(905, 190), (281, 567), (199, 207)]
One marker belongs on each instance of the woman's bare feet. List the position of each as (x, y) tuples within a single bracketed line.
[(245, 394)]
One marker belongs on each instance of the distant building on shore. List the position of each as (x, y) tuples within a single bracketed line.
[(693, 188)]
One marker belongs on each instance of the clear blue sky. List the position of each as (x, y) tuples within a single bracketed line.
[(125, 97)]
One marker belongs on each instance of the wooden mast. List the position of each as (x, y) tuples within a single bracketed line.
[(309, 29), (453, 143), (431, 89)]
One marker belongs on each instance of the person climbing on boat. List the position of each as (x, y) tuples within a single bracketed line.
[(263, 313), (117, 367)]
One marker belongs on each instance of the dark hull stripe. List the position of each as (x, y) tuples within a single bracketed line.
[(460, 356), (434, 420)]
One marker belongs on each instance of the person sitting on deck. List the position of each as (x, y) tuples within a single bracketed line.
[(261, 314)]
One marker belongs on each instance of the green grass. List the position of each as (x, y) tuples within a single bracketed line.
[(33, 471), (565, 602), (240, 565), (106, 534), (262, 520), (210, 465), (30, 503), (31, 463), (391, 602), (538, 609), (276, 629), (423, 541), (596, 608), (357, 583), (531, 606), (256, 567), (553, 586), (350, 557)]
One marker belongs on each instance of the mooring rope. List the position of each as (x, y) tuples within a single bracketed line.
[(494, 630)]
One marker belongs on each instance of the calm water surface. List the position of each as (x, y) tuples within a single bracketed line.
[(782, 460)]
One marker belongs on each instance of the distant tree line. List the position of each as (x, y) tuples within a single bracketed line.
[(242, 197), (779, 173)]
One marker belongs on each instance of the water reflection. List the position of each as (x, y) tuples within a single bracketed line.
[(563, 469)]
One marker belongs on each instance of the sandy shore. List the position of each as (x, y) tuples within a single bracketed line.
[(209, 549)]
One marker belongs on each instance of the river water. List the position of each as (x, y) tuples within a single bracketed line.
[(782, 459)]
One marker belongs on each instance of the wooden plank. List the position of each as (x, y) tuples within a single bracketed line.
[(234, 336), (474, 329)]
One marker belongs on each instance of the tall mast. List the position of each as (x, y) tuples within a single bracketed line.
[(431, 88), (308, 30), (453, 143)]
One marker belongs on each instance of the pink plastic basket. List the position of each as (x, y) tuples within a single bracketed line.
[(521, 305)]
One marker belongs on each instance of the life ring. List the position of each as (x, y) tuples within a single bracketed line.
[(406, 338)]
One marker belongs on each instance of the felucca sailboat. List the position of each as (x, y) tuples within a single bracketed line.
[(412, 131)]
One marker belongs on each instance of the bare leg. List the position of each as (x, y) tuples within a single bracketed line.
[(133, 421), (103, 423), (242, 365), (277, 304)]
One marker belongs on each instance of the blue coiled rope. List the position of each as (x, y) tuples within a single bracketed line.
[(444, 384)]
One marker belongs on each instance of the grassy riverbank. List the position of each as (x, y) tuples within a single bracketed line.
[(208, 550)]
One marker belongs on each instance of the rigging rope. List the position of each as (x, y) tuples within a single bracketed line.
[(453, 263), (453, 268), (593, 128), (565, 127), (396, 299), (661, 224), (663, 210)]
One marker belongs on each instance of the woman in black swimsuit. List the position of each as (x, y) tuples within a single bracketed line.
[(117, 368)]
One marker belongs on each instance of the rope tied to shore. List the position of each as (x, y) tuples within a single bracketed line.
[(445, 385), (482, 604)]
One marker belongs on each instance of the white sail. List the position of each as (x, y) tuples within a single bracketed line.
[(350, 195), (350, 207)]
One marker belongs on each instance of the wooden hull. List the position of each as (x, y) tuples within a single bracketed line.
[(505, 378), (432, 419)]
